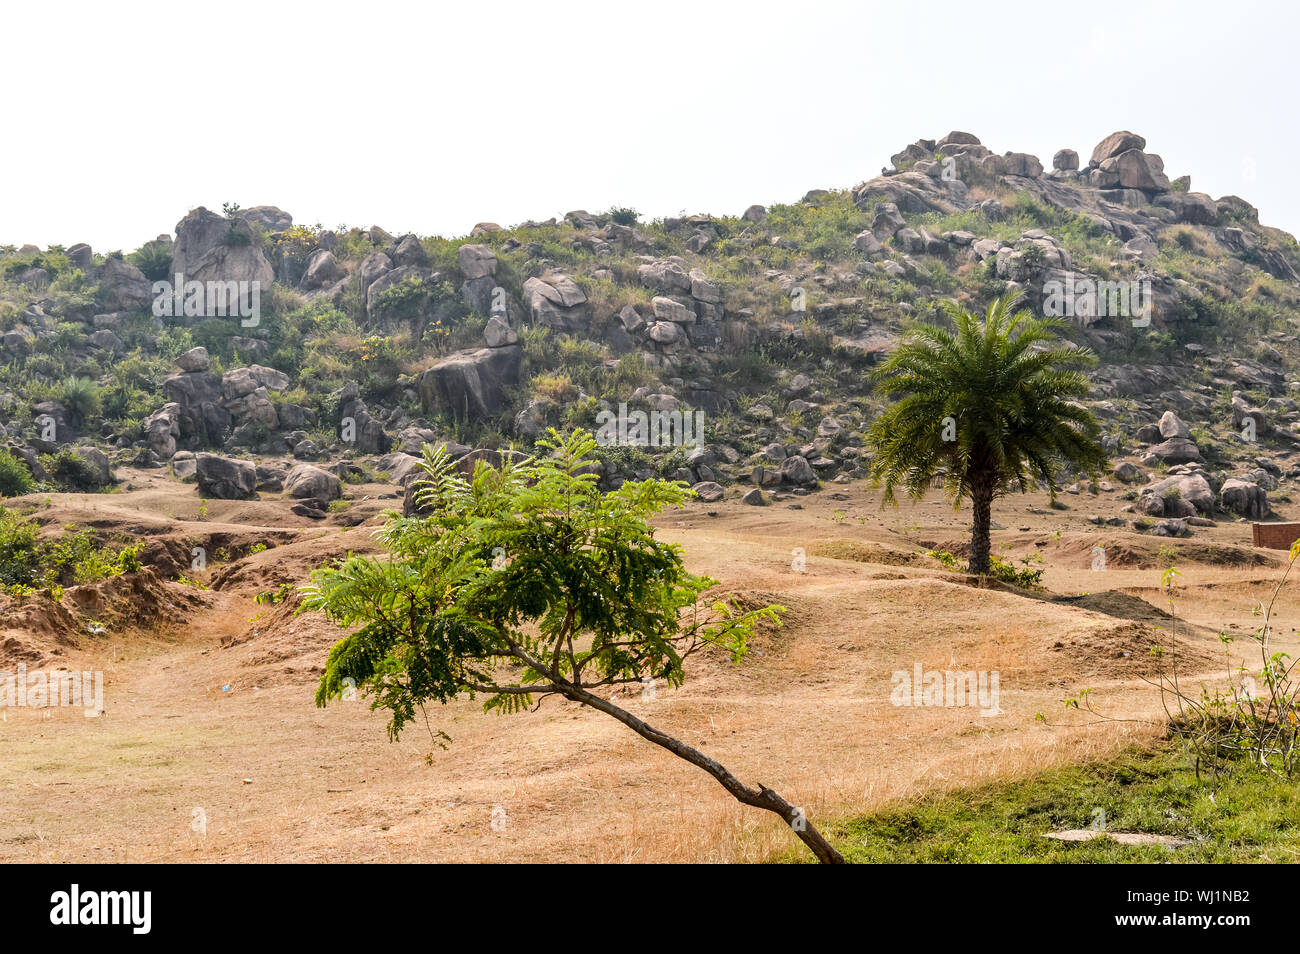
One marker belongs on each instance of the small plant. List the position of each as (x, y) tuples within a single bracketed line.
[(15, 479), (271, 597)]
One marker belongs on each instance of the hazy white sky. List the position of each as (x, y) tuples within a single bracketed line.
[(428, 117)]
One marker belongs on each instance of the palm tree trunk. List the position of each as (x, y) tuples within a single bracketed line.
[(982, 498)]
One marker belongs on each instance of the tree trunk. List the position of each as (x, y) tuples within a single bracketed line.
[(762, 797), (982, 498)]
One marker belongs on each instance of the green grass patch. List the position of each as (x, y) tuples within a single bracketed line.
[(1244, 817)]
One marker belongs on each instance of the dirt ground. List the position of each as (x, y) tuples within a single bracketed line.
[(211, 747)]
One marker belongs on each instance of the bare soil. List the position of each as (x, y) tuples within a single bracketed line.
[(211, 747)]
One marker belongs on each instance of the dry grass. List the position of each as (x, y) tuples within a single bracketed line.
[(807, 713)]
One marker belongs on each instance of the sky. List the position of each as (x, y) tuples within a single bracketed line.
[(429, 118)]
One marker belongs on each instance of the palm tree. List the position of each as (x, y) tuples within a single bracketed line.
[(987, 407)]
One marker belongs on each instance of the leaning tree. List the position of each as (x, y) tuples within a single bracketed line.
[(988, 406), (527, 581)]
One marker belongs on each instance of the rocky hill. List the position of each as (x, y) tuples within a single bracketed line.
[(254, 355)]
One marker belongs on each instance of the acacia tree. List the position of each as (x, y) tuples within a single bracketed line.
[(988, 407), (527, 581)]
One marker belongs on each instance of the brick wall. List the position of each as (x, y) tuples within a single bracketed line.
[(1275, 536)]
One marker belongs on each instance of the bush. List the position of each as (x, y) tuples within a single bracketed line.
[(20, 556), (154, 259), (72, 472), (15, 480)]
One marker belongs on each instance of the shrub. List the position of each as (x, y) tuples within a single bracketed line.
[(15, 479)]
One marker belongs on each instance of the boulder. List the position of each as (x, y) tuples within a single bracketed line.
[(1114, 144), (709, 491), (796, 470), (666, 276), (123, 287), (1136, 169), (557, 303), (196, 359), (203, 421), (210, 247), (476, 261), (1171, 425), (1245, 497), (1176, 450), (269, 217), (225, 478), (1194, 208), (309, 481), (667, 309), (1129, 473), (322, 269), (1066, 160), (162, 428), (471, 384), (498, 333), (1193, 488), (409, 253)]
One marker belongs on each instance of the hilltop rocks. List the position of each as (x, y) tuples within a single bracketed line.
[(556, 302), (1194, 208), (665, 275), (1066, 160), (408, 252), (476, 261), (196, 359), (271, 218), (1114, 144), (471, 384), (1135, 170), (498, 333), (322, 269), (210, 247), (225, 478), (375, 265), (123, 287)]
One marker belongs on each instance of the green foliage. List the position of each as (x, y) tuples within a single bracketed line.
[(71, 472), (154, 259), (27, 559), (1244, 818), (987, 407), (1026, 577), (529, 566), (20, 555), (81, 397), (15, 478), (623, 215)]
